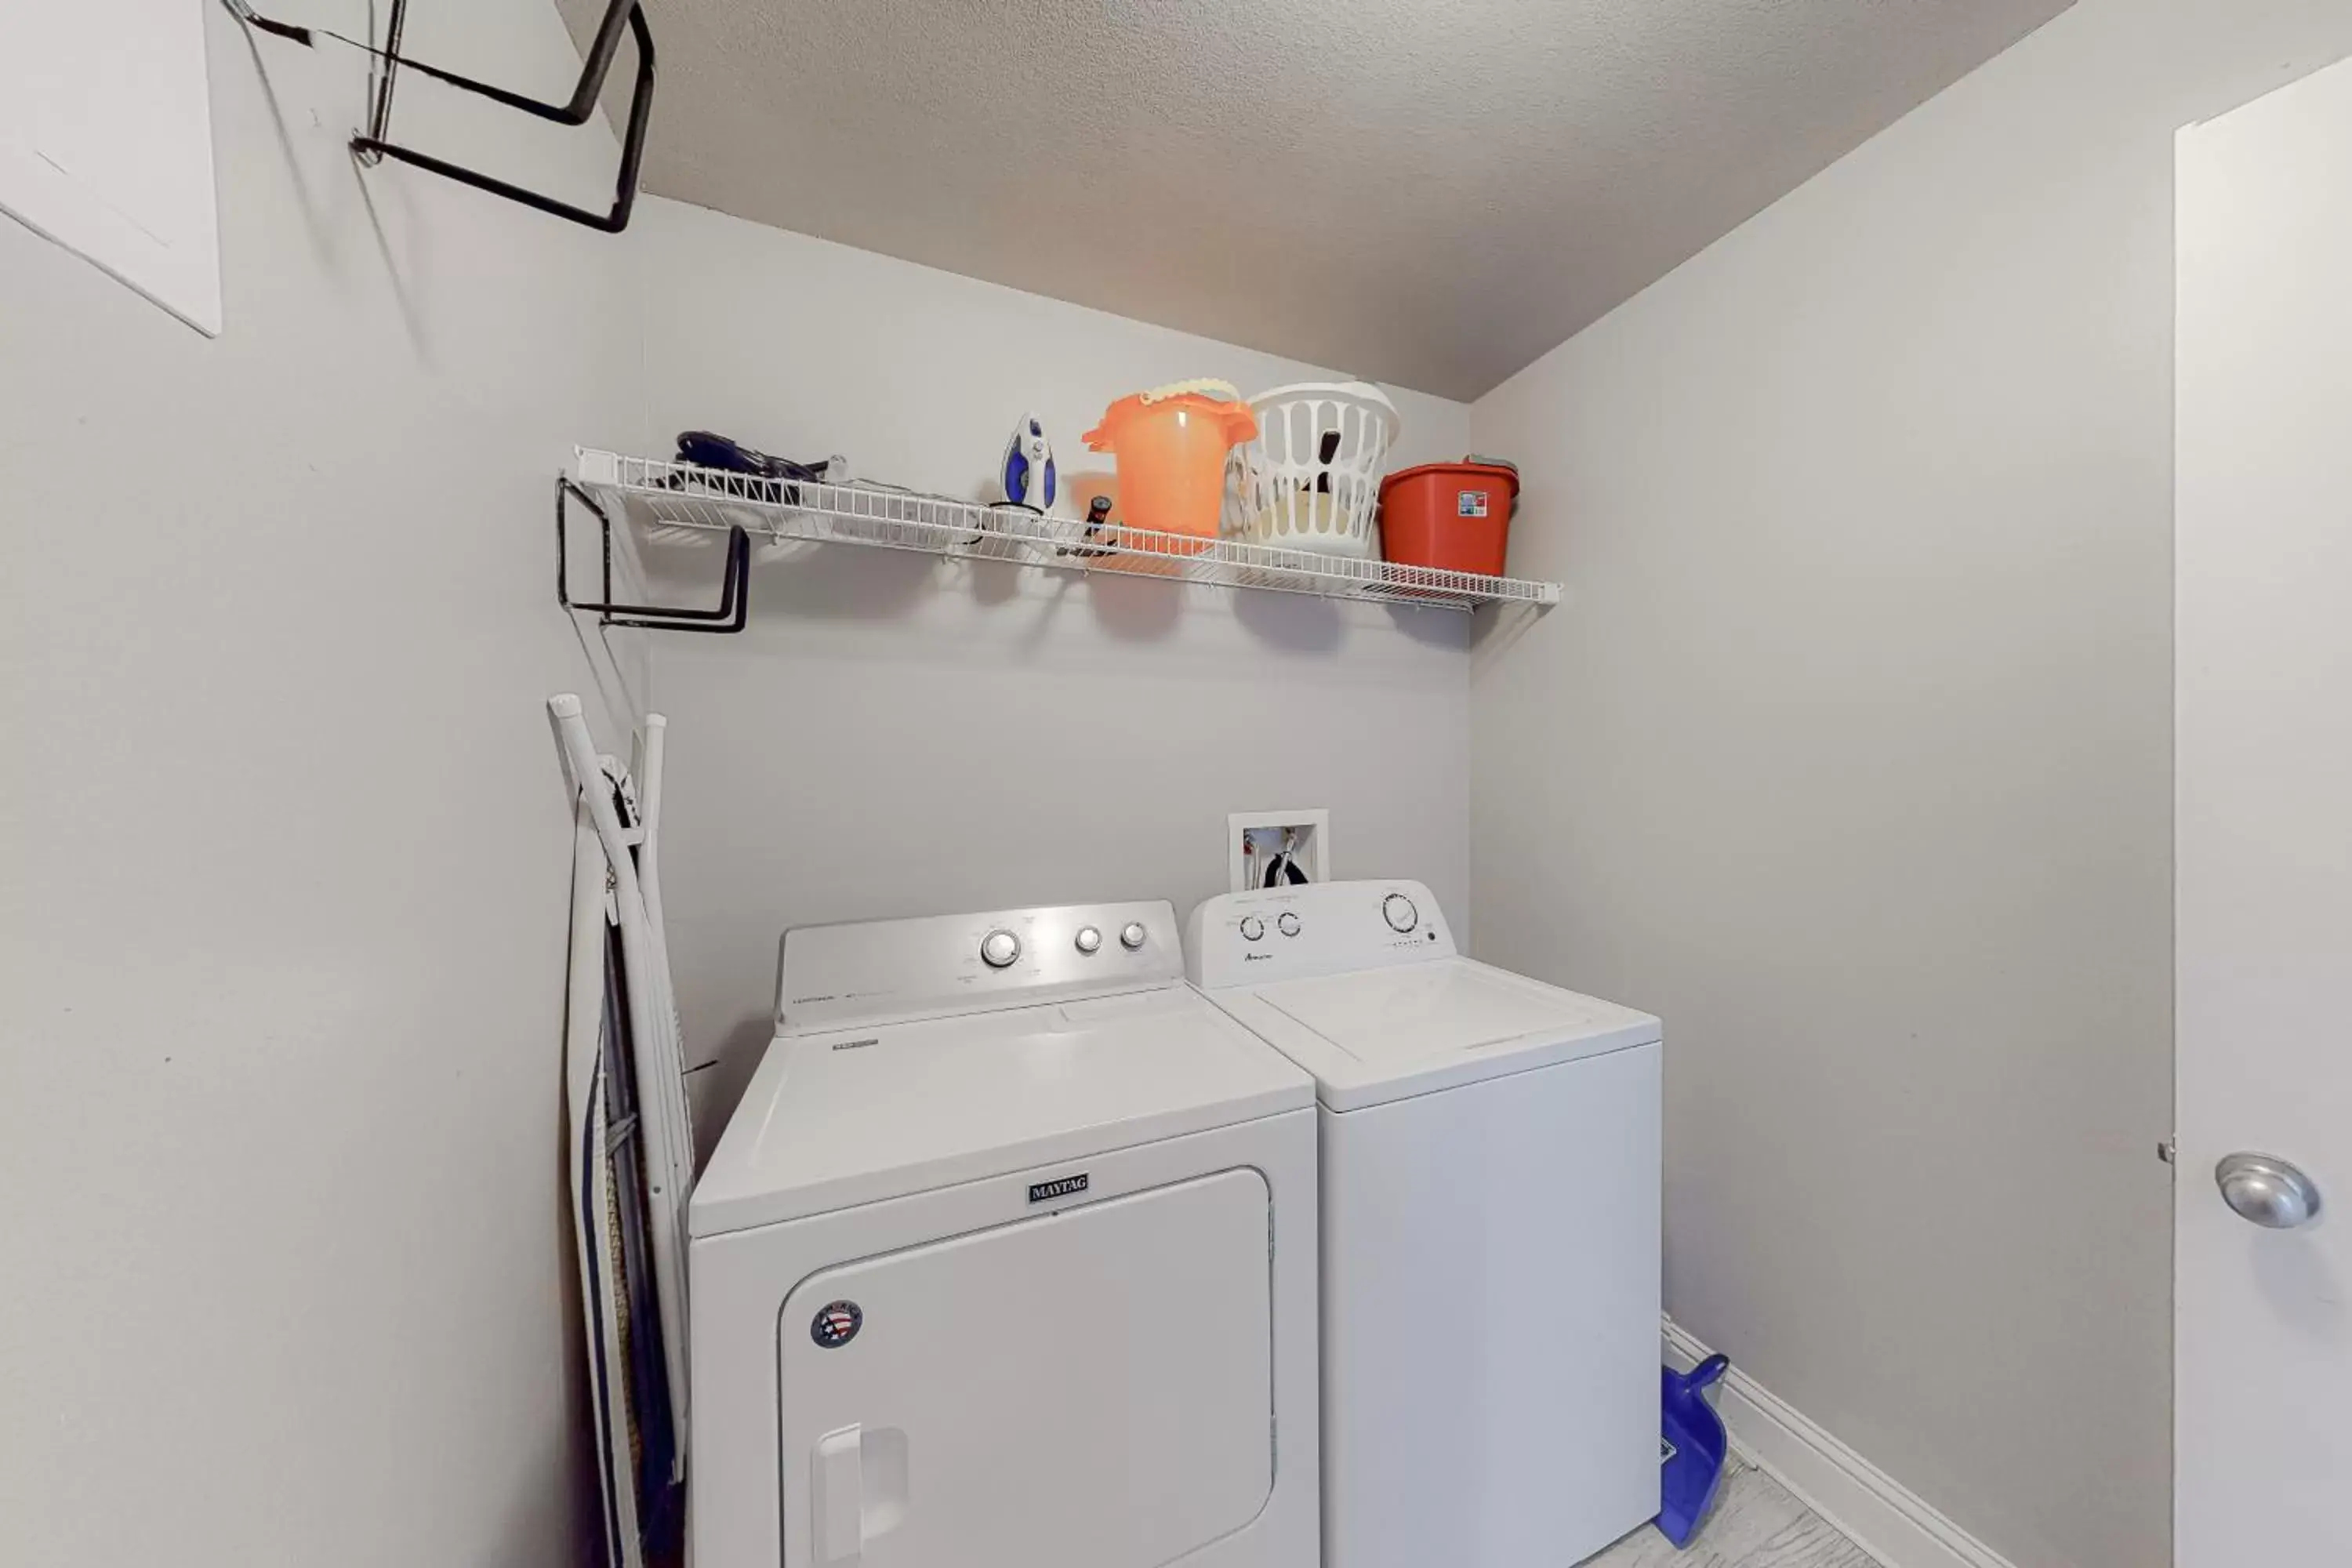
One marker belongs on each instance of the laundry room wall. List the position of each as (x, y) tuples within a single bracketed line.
[(895, 734), (1850, 755), (284, 912)]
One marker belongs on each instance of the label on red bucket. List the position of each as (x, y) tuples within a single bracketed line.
[(1470, 504)]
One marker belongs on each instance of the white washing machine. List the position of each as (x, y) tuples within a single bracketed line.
[(1006, 1261), (1490, 1159)]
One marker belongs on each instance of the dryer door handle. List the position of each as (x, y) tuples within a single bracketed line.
[(858, 1491), (838, 1497)]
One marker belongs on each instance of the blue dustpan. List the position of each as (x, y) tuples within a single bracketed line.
[(1693, 1448)]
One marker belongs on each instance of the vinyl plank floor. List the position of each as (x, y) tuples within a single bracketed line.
[(1756, 1523)]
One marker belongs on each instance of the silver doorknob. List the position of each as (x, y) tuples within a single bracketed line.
[(2267, 1190)]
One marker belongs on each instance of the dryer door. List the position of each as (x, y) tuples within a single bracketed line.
[(1092, 1388)]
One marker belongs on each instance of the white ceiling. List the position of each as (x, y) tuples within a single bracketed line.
[(1430, 193)]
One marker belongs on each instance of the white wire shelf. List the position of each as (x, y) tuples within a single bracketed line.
[(680, 502)]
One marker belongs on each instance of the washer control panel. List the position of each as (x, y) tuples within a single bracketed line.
[(1325, 928), (834, 976)]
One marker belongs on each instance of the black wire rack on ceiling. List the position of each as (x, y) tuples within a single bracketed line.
[(375, 143)]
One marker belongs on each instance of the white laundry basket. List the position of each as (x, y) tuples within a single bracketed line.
[(1311, 480)]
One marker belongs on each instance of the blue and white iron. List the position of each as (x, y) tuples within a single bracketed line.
[(1028, 471)]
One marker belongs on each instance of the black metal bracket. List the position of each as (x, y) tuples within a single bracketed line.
[(578, 110), (734, 592), (244, 13)]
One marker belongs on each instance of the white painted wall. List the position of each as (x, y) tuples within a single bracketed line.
[(896, 735), (288, 1271), (1850, 755)]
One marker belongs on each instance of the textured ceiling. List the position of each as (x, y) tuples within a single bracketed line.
[(1430, 193)]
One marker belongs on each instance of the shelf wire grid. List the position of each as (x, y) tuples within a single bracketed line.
[(680, 502)]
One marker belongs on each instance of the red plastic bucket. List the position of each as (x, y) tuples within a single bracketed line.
[(1453, 516)]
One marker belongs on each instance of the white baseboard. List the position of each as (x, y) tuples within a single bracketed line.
[(1879, 1514)]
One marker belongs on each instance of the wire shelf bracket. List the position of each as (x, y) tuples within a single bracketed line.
[(734, 592), (375, 143), (679, 503)]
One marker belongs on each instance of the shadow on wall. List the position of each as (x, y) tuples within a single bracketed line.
[(719, 1086), (895, 732), (815, 583), (1494, 631)]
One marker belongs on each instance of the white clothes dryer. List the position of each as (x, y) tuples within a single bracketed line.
[(1006, 1261)]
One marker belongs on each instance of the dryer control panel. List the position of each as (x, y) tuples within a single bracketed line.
[(1323, 928), (873, 972)]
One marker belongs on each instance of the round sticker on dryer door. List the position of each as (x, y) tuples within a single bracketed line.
[(837, 1324)]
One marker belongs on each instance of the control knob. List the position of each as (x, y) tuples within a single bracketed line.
[(1000, 949)]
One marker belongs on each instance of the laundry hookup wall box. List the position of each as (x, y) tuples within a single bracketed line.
[(1254, 838)]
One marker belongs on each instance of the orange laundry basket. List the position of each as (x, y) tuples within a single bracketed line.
[(1456, 516), (1172, 442)]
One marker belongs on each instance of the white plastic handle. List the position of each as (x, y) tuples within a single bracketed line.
[(837, 1495), (1207, 386)]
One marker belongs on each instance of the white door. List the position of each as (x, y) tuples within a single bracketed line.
[(1088, 1389), (2263, 478)]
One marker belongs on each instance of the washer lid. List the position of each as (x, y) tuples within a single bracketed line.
[(1386, 1034), (856, 1116)]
